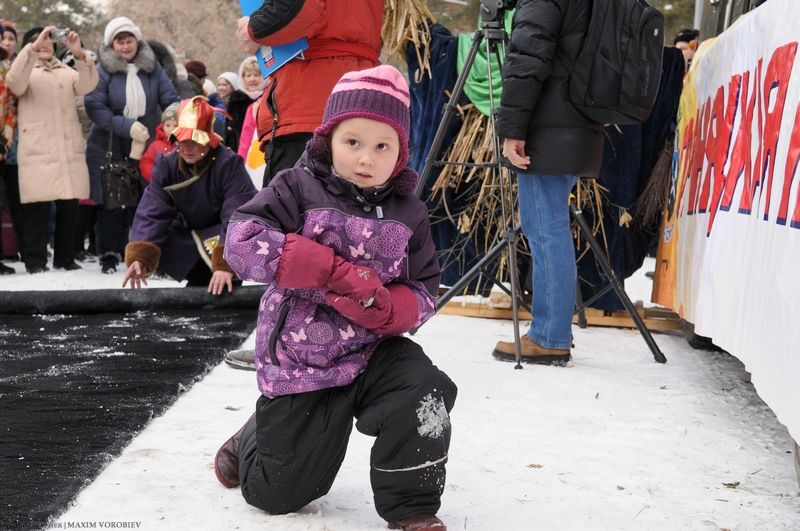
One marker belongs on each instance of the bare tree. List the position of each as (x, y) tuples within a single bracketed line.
[(80, 15), (196, 29)]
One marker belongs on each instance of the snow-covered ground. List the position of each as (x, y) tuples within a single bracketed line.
[(89, 277), (613, 441)]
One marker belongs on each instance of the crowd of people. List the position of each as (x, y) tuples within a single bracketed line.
[(336, 234), (67, 113)]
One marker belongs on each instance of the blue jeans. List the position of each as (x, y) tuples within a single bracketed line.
[(545, 223)]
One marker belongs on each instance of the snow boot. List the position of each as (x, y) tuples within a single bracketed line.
[(532, 352), (241, 359), (419, 522), (108, 263), (71, 266), (226, 462), (35, 270)]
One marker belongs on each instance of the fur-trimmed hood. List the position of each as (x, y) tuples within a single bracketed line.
[(165, 58), (114, 64)]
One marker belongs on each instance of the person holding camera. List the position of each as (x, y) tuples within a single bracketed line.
[(125, 108), (550, 144), (52, 165)]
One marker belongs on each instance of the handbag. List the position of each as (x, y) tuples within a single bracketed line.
[(120, 180)]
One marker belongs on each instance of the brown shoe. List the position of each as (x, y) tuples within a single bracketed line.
[(532, 352), (226, 462), (419, 522)]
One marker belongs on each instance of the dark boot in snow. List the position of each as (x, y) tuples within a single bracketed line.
[(72, 266), (241, 359), (419, 522), (532, 352), (108, 264), (226, 462), (35, 270)]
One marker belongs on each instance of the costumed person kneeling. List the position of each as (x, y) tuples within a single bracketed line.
[(180, 224)]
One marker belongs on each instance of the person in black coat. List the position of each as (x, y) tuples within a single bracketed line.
[(235, 103), (551, 144)]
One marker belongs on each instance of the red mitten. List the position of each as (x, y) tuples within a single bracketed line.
[(304, 263), (394, 310), (355, 281)]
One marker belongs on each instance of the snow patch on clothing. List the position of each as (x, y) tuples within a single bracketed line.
[(432, 416)]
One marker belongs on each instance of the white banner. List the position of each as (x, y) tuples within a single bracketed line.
[(737, 216)]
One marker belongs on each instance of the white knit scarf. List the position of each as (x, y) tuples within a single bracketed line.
[(135, 100)]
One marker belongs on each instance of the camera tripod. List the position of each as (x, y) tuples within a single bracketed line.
[(495, 37)]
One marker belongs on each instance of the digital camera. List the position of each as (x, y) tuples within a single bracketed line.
[(494, 10), (59, 35)]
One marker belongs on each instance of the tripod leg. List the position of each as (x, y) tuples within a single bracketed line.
[(616, 284), (448, 112), (511, 243), (493, 253)]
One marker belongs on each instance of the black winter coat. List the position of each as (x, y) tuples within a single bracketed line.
[(545, 40), (237, 107)]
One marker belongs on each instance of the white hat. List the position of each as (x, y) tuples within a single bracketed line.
[(232, 78), (120, 25)]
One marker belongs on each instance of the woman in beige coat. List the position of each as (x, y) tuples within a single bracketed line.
[(52, 164)]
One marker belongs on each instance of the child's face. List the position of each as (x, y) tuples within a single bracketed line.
[(169, 126), (365, 151)]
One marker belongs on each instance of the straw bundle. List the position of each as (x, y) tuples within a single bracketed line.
[(404, 22), (470, 198), (653, 199)]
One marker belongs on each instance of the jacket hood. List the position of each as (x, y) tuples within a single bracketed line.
[(318, 154), (165, 58), (114, 64), (160, 134)]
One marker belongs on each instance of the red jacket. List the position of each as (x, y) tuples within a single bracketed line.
[(159, 145), (343, 35)]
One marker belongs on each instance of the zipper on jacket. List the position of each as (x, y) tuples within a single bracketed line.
[(273, 108), (269, 99), (273, 337)]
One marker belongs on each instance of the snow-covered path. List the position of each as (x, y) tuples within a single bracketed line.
[(613, 441)]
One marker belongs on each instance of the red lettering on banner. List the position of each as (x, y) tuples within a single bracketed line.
[(707, 137), (710, 149), (776, 83), (792, 159), (687, 143), (741, 155), (751, 179), (722, 120), (698, 149)]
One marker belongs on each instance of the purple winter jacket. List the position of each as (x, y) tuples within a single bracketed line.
[(302, 343)]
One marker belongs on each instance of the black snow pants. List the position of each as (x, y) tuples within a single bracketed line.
[(291, 450)]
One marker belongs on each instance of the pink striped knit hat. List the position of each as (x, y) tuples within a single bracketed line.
[(379, 93)]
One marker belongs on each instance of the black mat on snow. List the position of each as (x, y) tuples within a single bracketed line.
[(74, 390)]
